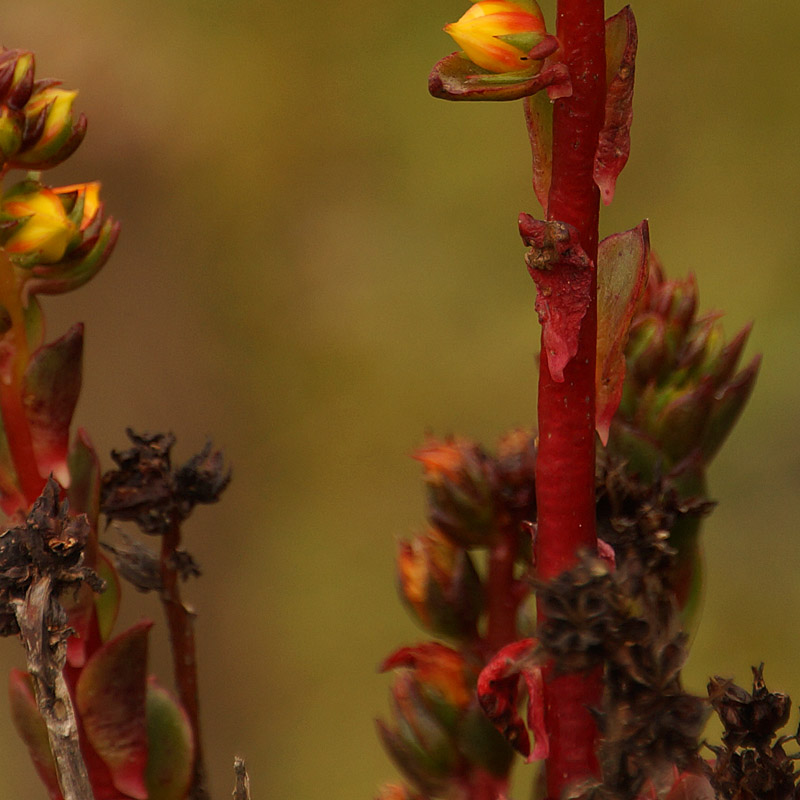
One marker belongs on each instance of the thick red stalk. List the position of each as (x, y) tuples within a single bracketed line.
[(565, 491)]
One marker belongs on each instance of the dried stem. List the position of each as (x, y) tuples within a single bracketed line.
[(180, 620), (242, 789), (46, 655), (566, 457)]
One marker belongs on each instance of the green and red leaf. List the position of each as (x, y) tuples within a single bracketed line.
[(621, 278), (457, 78), (170, 746), (110, 697)]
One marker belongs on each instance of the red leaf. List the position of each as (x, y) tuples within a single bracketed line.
[(110, 697), (621, 278), (539, 119), (563, 274), (614, 145), (50, 393), (498, 694)]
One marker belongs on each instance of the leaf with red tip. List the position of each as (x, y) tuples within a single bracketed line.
[(32, 729), (498, 694), (562, 272), (170, 746), (621, 279), (110, 697), (614, 145), (457, 78), (50, 393), (539, 119)]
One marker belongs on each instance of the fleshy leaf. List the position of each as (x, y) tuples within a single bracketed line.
[(498, 693), (562, 272), (614, 145), (107, 604), (32, 729), (621, 278), (457, 78), (110, 696), (170, 746), (50, 393), (539, 119), (75, 270)]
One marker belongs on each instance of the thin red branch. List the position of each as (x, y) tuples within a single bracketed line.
[(566, 456), (502, 595), (180, 621)]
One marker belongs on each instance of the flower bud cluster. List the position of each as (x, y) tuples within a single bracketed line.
[(439, 735), (682, 392), (37, 127), (472, 495)]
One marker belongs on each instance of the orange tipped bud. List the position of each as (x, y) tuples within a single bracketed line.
[(498, 35)]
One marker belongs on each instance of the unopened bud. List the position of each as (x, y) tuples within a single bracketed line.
[(51, 134), (498, 35), (459, 478), (439, 584), (16, 77)]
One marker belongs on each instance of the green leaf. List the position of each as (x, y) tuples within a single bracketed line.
[(107, 604), (171, 746), (110, 696)]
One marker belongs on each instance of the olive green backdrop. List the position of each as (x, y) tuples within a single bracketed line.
[(319, 262)]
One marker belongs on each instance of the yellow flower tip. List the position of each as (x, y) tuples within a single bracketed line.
[(480, 31), (47, 230)]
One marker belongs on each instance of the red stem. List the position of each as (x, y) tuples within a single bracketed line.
[(565, 492), (180, 621), (502, 593)]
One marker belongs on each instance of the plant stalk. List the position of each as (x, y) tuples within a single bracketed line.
[(565, 470), (180, 620)]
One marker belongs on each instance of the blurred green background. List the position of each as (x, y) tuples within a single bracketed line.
[(319, 263)]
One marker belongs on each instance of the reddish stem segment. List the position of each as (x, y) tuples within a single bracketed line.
[(502, 593), (565, 492), (180, 621)]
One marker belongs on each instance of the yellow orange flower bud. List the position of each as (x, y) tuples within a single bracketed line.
[(497, 34), (44, 231), (51, 132)]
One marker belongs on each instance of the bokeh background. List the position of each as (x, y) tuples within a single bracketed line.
[(319, 263)]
